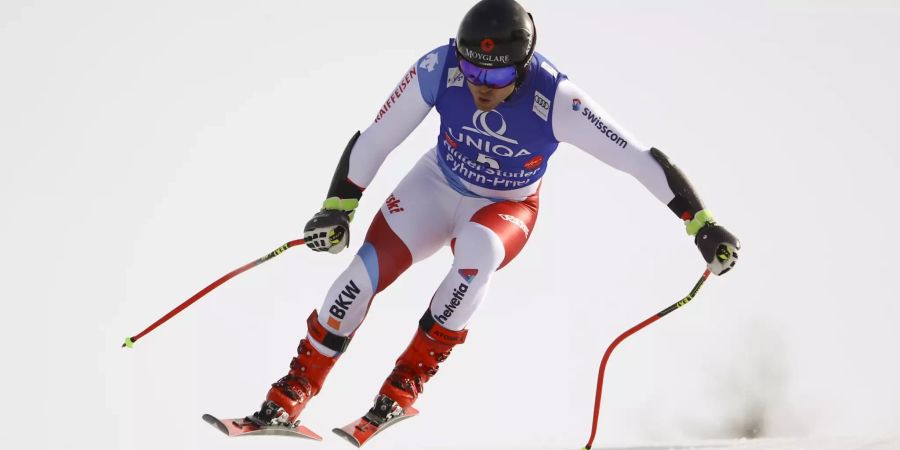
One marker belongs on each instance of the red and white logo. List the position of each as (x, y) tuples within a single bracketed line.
[(534, 163), (450, 141), (393, 204), (515, 221)]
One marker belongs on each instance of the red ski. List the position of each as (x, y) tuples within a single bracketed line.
[(385, 413), (245, 427)]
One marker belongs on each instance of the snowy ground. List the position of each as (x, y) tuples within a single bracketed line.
[(780, 444), (333, 442)]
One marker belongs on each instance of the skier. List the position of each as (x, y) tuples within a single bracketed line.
[(504, 109)]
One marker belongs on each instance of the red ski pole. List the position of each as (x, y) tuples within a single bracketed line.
[(622, 337), (129, 342)]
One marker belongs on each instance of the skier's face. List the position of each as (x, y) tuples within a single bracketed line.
[(487, 98)]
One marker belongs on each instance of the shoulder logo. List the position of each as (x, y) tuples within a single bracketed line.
[(546, 66), (576, 104), (455, 77), (541, 106), (429, 61)]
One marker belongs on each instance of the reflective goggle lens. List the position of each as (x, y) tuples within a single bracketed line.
[(495, 78)]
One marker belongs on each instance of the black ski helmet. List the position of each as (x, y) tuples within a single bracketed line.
[(497, 33)]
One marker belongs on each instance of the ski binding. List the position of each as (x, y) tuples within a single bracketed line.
[(385, 413), (247, 427)]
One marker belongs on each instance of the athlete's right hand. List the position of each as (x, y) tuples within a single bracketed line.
[(328, 231)]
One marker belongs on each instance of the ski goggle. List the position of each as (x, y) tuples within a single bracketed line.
[(494, 78)]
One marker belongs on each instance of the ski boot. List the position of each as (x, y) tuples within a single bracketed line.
[(430, 346), (289, 395), (418, 363)]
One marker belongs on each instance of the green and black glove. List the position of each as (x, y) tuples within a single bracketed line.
[(329, 229), (717, 245)]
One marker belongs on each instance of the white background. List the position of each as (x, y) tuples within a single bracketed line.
[(147, 148)]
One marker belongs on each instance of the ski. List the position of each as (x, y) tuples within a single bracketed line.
[(380, 417), (246, 427)]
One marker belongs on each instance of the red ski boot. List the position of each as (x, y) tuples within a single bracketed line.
[(288, 396), (419, 362)]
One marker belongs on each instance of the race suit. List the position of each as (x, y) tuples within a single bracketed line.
[(477, 189)]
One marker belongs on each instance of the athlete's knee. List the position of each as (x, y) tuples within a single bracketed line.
[(512, 222), (477, 246)]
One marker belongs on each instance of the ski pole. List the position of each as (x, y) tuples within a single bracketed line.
[(622, 337), (129, 342)]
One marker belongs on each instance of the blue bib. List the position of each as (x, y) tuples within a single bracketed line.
[(503, 149)]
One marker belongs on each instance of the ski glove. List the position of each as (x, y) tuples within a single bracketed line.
[(718, 247), (329, 229)]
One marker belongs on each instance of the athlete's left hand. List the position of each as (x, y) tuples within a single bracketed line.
[(718, 247)]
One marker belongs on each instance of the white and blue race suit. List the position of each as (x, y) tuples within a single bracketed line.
[(477, 189)]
